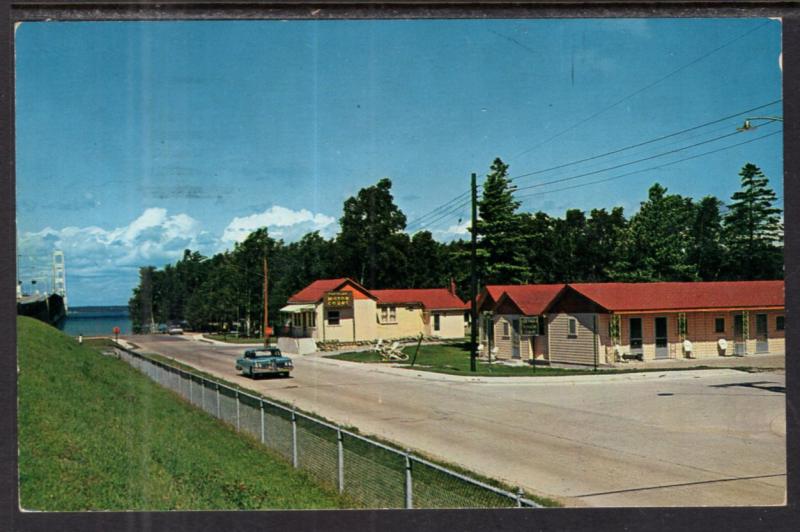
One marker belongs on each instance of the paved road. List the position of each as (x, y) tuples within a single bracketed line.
[(672, 441)]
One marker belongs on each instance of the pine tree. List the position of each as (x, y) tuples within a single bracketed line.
[(501, 240), (753, 231), (706, 251), (657, 242)]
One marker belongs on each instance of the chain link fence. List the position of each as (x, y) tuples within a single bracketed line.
[(370, 473)]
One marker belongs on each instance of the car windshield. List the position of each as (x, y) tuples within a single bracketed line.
[(264, 353)]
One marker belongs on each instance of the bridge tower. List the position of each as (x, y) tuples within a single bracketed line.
[(60, 276)]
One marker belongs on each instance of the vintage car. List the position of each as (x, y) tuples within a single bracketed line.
[(268, 360)]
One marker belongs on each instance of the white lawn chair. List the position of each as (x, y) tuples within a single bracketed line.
[(394, 352), (378, 346)]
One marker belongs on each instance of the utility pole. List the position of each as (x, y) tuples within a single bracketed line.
[(266, 320), (473, 289)]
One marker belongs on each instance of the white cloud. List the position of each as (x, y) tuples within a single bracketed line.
[(281, 223), (155, 237), (454, 232)]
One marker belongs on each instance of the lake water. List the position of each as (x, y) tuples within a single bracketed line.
[(96, 321)]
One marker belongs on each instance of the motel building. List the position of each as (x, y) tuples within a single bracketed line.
[(342, 310), (607, 323)]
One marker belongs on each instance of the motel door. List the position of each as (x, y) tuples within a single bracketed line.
[(515, 338), (762, 344), (636, 336), (739, 347), (662, 347)]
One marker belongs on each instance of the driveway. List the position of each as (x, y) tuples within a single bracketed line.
[(697, 439)]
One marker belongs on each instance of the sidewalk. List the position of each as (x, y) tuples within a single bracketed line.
[(198, 337), (400, 371), (759, 361)]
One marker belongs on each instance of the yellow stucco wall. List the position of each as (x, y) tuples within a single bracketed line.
[(451, 324), (408, 323), (355, 324)]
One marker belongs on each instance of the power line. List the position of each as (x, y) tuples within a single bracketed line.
[(435, 209), (658, 167), (445, 209), (444, 215), (646, 87), (622, 165), (438, 210), (639, 144)]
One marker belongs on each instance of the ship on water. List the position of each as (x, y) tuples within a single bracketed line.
[(47, 307)]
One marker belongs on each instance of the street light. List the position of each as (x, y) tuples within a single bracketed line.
[(748, 125)]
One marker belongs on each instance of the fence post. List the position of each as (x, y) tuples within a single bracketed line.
[(340, 452), (263, 439), (219, 410), (202, 393), (191, 389), (409, 487), (519, 497), (294, 439), (237, 410)]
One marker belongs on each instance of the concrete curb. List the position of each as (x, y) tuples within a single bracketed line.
[(565, 379), (201, 338)]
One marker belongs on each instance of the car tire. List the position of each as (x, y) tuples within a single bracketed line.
[(252, 373)]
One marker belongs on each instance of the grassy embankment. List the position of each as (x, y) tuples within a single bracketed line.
[(95, 434), (453, 359), (364, 450)]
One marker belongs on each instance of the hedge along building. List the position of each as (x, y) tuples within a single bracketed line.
[(589, 323), (342, 310)]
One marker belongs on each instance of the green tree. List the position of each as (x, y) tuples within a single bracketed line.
[(753, 232), (656, 245), (539, 232), (706, 251), (568, 246), (140, 305), (601, 244), (426, 265), (499, 229), (369, 248)]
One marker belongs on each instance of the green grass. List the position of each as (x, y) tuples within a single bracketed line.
[(453, 359), (95, 434), (369, 451)]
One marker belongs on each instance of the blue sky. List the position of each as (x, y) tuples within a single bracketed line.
[(136, 140)]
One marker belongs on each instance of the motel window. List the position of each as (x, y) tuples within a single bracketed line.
[(388, 314), (312, 319), (436, 322), (573, 328), (505, 329), (719, 325), (296, 319), (333, 317), (780, 323)]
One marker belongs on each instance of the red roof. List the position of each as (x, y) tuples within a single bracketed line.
[(430, 298), (316, 290), (492, 291), (625, 297), (532, 299)]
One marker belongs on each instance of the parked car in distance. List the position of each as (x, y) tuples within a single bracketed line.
[(175, 330), (265, 361), (162, 328)]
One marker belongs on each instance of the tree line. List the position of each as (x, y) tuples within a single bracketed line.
[(670, 238)]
